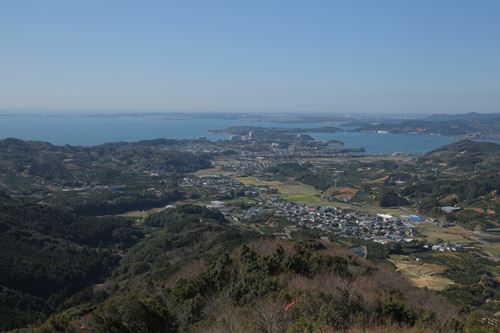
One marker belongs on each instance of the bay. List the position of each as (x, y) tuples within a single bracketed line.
[(86, 131)]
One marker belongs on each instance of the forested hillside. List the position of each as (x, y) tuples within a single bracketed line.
[(195, 273), (42, 163), (48, 255), (151, 246)]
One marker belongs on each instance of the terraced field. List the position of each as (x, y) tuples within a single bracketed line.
[(422, 274)]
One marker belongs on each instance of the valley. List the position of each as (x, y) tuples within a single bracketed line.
[(148, 214)]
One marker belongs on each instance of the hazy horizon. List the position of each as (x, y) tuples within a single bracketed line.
[(115, 112), (334, 57)]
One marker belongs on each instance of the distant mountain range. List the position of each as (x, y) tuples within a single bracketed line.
[(471, 116)]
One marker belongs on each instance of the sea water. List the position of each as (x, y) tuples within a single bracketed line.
[(87, 130)]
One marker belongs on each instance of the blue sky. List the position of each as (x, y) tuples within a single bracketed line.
[(347, 56)]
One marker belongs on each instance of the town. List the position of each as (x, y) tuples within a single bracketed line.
[(244, 204)]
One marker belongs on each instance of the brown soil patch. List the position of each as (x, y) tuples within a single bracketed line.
[(347, 190), (380, 180), (341, 192), (449, 198), (477, 210), (425, 275)]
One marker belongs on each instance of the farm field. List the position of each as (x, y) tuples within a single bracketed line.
[(458, 234), (422, 274), (492, 250), (141, 213), (451, 235), (212, 171), (290, 190), (305, 194)]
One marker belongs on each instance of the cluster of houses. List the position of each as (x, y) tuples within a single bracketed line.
[(253, 166), (442, 247), (329, 220), (200, 145), (221, 187), (274, 150), (270, 148), (380, 228)]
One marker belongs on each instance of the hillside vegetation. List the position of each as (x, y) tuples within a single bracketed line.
[(191, 274), (70, 261), (48, 254)]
